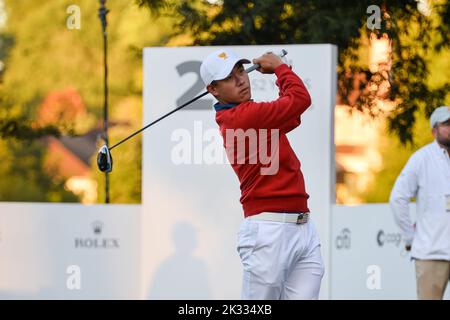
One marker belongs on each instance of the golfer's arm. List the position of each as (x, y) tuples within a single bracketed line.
[(405, 188), (294, 122), (291, 125), (290, 84), (283, 113)]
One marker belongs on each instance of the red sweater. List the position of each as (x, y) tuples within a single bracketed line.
[(282, 188)]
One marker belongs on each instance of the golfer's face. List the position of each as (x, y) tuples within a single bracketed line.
[(235, 88)]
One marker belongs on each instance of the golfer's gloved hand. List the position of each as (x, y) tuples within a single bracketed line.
[(268, 62)]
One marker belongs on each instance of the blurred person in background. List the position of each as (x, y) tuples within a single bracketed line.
[(426, 177)]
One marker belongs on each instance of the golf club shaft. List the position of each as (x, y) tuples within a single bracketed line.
[(159, 119), (250, 69)]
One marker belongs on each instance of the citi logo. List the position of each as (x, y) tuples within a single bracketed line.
[(96, 242), (343, 240)]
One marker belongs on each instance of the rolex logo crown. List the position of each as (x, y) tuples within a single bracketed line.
[(97, 227)]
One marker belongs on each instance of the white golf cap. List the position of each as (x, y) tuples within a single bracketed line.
[(439, 115), (218, 65)]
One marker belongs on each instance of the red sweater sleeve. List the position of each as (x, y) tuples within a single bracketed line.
[(283, 113), (291, 125)]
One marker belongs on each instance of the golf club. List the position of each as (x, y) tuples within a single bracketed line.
[(104, 158)]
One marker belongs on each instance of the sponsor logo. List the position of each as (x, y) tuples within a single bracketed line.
[(223, 56), (384, 238), (97, 241), (97, 227), (343, 240)]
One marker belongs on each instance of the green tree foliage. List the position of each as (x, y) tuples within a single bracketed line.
[(125, 180), (22, 177), (344, 23), (394, 157), (45, 57), (418, 77), (395, 154)]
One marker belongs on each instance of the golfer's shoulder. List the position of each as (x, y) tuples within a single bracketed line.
[(422, 156), (245, 114), (425, 151)]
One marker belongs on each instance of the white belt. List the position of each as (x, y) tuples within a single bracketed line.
[(298, 218)]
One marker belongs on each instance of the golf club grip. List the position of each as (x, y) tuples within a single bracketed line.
[(257, 65), (253, 67)]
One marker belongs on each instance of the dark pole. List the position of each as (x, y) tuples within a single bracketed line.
[(102, 12)]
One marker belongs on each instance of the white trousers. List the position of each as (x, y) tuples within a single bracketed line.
[(280, 260)]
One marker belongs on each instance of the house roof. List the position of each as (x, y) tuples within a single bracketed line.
[(83, 147)]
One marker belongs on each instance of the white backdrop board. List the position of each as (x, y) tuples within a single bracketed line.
[(191, 209), (69, 251), (368, 260)]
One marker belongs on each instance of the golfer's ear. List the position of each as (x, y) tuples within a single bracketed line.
[(212, 89)]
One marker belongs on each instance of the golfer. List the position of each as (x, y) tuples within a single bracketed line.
[(277, 242)]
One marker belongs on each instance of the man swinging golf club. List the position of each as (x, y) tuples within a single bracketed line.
[(279, 248), (104, 158), (278, 244)]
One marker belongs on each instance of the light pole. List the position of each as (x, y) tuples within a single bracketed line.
[(102, 12)]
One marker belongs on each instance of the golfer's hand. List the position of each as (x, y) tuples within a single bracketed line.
[(408, 246), (268, 62)]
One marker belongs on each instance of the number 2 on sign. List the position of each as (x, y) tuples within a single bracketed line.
[(195, 89)]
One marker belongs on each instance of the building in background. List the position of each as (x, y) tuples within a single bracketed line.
[(69, 158), (358, 136)]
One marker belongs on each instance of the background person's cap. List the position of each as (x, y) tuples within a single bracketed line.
[(439, 115), (218, 65)]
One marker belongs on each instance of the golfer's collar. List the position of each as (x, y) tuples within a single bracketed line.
[(224, 106)]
